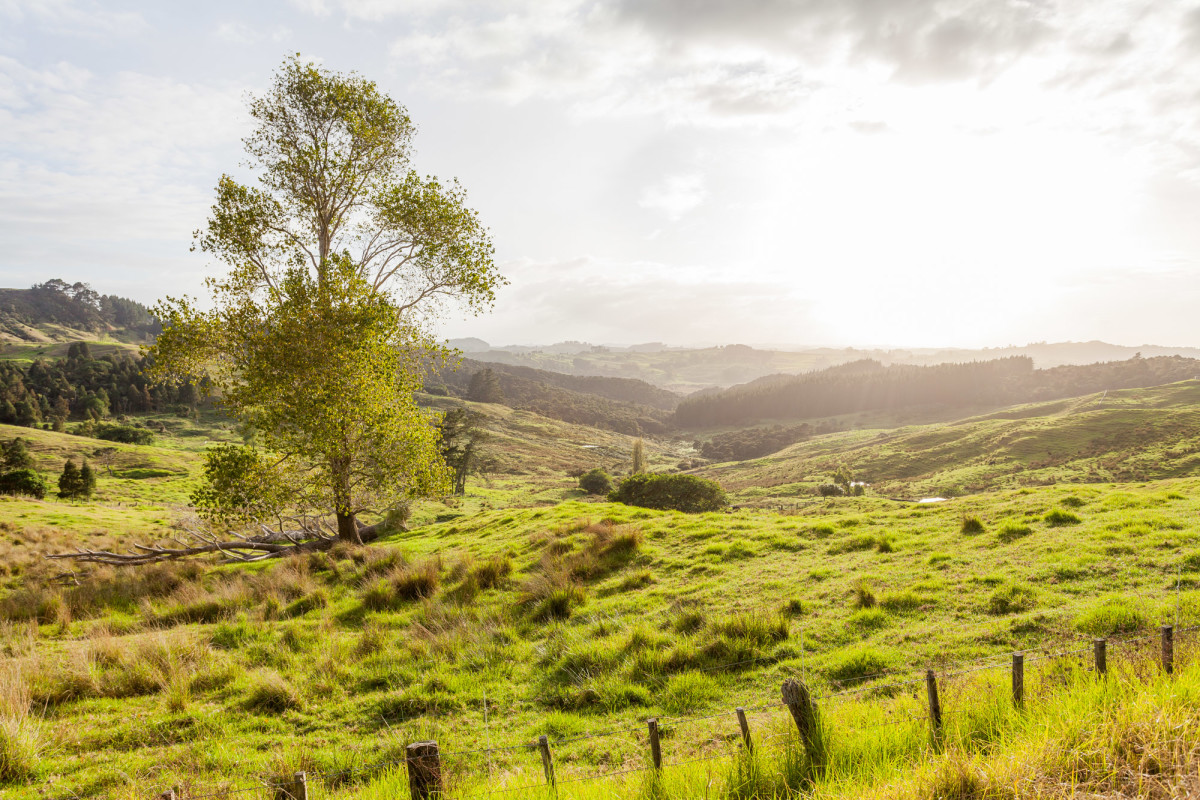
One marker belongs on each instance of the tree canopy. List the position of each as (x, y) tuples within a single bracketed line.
[(340, 260)]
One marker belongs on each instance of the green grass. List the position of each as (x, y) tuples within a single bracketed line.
[(546, 612)]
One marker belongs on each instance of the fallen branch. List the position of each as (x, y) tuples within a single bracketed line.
[(268, 544)]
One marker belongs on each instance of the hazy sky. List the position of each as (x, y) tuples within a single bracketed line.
[(912, 172)]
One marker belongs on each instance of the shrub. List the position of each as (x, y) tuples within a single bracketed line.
[(1011, 599), (972, 525), (1013, 531), (686, 493), (830, 490), (126, 434), (596, 481), (1058, 518), (23, 481)]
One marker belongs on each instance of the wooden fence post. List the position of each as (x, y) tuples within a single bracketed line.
[(1100, 651), (294, 789), (655, 746), (1018, 679), (798, 701), (547, 762), (1168, 648), (424, 770), (745, 726), (935, 708)]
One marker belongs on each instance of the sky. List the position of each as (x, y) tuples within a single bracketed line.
[(807, 172)]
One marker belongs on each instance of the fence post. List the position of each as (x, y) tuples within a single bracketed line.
[(1168, 648), (547, 762), (935, 708), (1100, 650), (294, 789), (745, 726), (1018, 679), (655, 746), (424, 770)]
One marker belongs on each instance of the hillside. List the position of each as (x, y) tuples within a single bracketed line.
[(1127, 435), (869, 386), (56, 311), (582, 620)]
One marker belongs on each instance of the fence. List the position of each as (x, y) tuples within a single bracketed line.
[(939, 696)]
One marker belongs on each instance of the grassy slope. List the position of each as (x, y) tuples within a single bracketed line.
[(1129, 435), (132, 687)]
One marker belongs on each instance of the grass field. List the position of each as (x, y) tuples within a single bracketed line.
[(567, 619), (526, 608)]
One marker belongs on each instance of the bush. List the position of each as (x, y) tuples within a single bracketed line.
[(596, 481), (830, 490), (23, 481), (678, 492), (1058, 518), (126, 434)]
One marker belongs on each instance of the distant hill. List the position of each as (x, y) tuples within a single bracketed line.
[(57, 311), (1125, 435), (870, 386), (623, 405)]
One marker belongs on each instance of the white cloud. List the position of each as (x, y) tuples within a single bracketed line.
[(674, 196), (72, 17)]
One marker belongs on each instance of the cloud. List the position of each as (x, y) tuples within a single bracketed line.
[(674, 196), (72, 18), (601, 300)]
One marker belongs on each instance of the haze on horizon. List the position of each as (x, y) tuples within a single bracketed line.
[(855, 172)]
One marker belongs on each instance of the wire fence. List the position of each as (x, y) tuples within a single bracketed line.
[(950, 697)]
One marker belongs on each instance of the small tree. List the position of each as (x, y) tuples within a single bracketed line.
[(679, 492), (14, 455), (23, 481), (461, 437), (638, 457), (87, 479), (70, 482)]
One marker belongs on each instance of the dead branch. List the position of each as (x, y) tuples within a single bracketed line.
[(269, 543)]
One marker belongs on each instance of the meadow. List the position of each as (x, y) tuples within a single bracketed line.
[(527, 608)]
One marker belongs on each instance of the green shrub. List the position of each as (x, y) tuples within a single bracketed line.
[(1013, 531), (855, 665), (1058, 518), (126, 434), (596, 481), (24, 481), (1011, 599), (972, 525), (686, 493)]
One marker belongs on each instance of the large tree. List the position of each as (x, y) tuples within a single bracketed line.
[(339, 260)]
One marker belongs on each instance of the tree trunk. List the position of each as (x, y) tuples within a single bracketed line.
[(348, 528)]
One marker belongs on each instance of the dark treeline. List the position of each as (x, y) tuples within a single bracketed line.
[(757, 442), (80, 387), (869, 386), (76, 306), (547, 393)]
